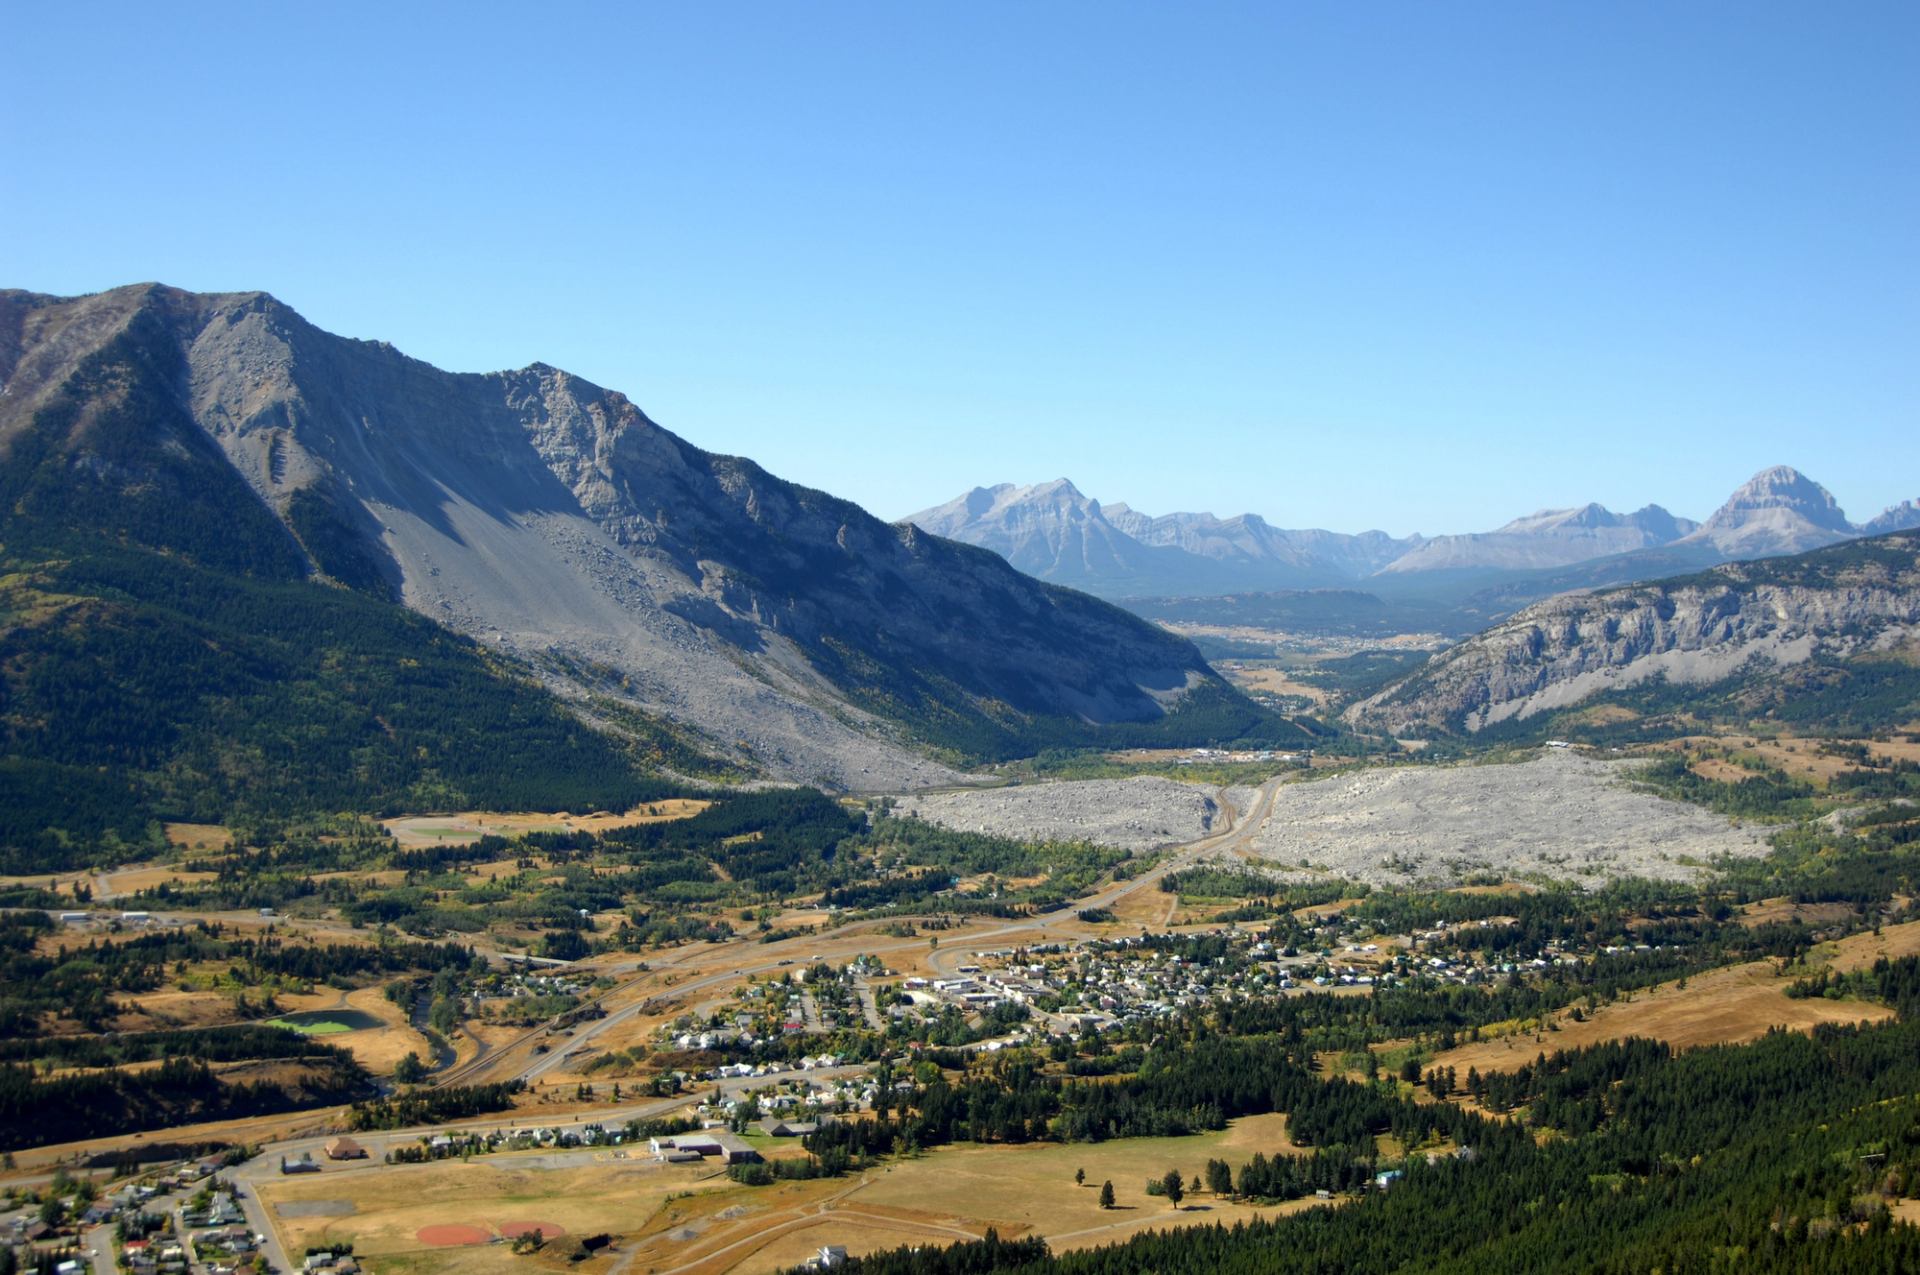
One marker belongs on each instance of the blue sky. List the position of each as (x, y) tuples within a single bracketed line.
[(1423, 267)]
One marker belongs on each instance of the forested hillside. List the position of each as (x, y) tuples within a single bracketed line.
[(165, 654)]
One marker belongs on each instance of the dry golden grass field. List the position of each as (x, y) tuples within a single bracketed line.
[(378, 1049), (1860, 951), (689, 1218), (381, 1208), (466, 827), (1725, 1006), (199, 836), (1800, 757), (1784, 910), (1271, 679)]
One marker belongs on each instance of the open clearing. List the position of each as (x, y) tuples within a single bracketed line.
[(391, 1205), (1272, 679), (364, 1022), (467, 827), (199, 836), (1802, 757), (1558, 817), (714, 1225), (1721, 1007)]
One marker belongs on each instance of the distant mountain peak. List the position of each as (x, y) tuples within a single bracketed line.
[(1547, 538), (1779, 510), (1783, 486), (1054, 531), (1904, 516)]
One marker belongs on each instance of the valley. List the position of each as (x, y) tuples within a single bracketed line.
[(1130, 908), (537, 739), (439, 808)]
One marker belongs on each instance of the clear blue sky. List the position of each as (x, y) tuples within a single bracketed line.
[(1420, 266)]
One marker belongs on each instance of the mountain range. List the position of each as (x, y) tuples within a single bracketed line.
[(1052, 531), (171, 460)]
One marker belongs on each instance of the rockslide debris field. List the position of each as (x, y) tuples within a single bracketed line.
[(1559, 817)]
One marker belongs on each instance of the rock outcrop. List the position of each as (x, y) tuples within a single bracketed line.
[(1841, 600), (1904, 516)]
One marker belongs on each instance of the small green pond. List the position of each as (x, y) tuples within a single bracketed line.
[(326, 1022)]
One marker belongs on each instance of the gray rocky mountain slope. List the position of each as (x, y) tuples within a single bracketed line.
[(1550, 538), (1777, 511), (549, 517), (1050, 531), (1053, 531), (1845, 600), (1904, 516)]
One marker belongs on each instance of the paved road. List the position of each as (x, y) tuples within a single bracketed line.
[(259, 1220), (98, 1243), (869, 1008)]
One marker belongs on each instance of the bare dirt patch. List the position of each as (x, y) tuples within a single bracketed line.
[(452, 1235)]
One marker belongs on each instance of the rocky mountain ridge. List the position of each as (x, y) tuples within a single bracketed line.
[(553, 521), (1548, 538), (1855, 599), (1053, 531)]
